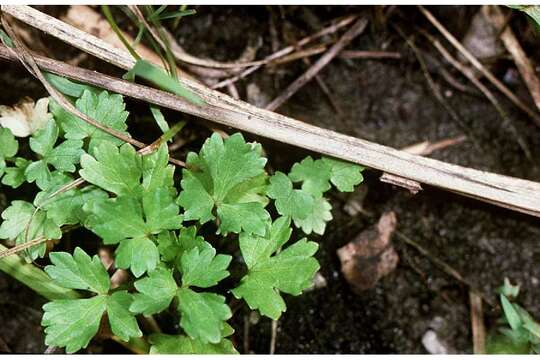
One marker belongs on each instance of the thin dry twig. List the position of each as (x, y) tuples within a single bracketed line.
[(487, 93), (273, 337), (435, 88), (477, 323), (336, 25), (513, 46), (428, 147), (369, 54), (443, 266), (478, 65), (356, 29), (513, 193)]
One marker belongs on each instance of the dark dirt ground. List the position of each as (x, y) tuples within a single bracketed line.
[(389, 102)]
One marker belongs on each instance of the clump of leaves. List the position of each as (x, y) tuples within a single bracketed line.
[(155, 220), (518, 332)]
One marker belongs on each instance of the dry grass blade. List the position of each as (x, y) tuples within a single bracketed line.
[(477, 323), (513, 46), (356, 29), (474, 61)]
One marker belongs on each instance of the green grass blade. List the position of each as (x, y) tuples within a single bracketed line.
[(160, 119), (177, 14), (161, 79), (6, 39), (107, 12)]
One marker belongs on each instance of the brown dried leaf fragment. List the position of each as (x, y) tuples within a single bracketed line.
[(370, 256)]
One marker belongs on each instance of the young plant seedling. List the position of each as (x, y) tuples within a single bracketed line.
[(155, 218)]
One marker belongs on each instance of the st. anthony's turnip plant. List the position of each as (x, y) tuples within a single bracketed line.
[(155, 220)]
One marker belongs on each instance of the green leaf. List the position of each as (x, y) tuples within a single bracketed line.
[(117, 170), (248, 217), (257, 249), (64, 156), (66, 208), (123, 220), (79, 271), (8, 144), (116, 219), (316, 221), (16, 218), (215, 179), (160, 119), (155, 292), (23, 223), (344, 175), (203, 315), (125, 217), (202, 267), (314, 175), (122, 321), (38, 171), (180, 344), (107, 109), (172, 247), (72, 323), (511, 314), (160, 211), (196, 201), (42, 142), (297, 204), (14, 176), (502, 344), (139, 255), (290, 271), (157, 172)]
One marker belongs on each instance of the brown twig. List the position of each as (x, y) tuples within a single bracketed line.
[(477, 323), (517, 194), (356, 29), (478, 65)]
